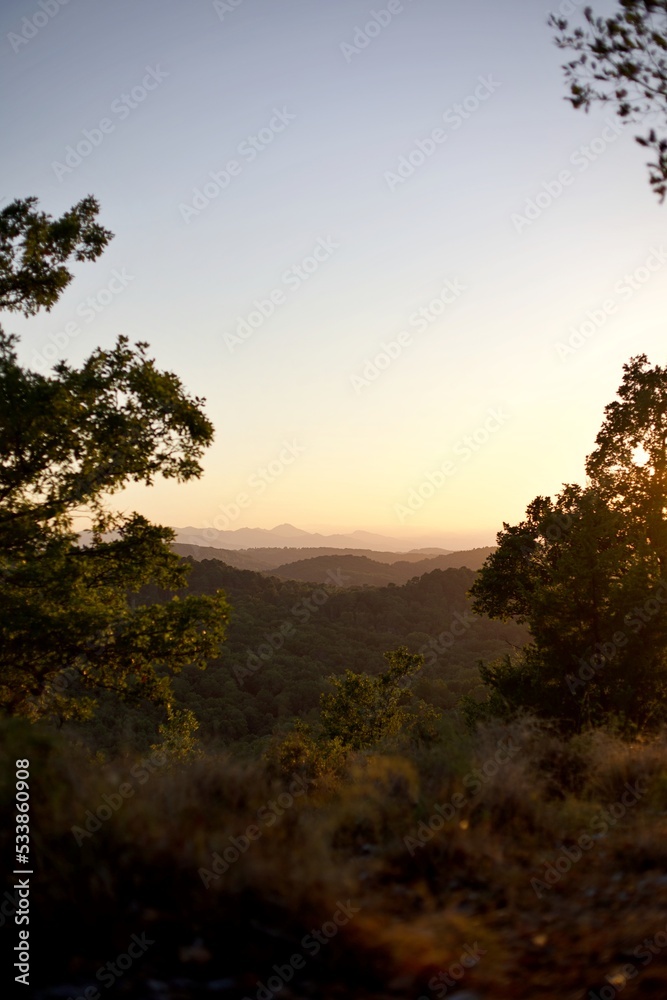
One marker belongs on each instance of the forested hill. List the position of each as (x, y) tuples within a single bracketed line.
[(312, 564), (286, 637), (359, 571)]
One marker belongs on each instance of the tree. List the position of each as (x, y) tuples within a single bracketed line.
[(622, 60), (69, 625), (35, 249), (361, 713), (585, 574), (629, 464), (364, 711)]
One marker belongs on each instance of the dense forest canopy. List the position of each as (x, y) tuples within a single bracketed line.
[(284, 638)]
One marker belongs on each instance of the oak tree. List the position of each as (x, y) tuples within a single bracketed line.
[(585, 573), (71, 624)]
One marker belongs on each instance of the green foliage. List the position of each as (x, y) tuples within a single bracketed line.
[(362, 713), (506, 693), (622, 60), (585, 573), (179, 742), (365, 711), (629, 464), (255, 687), (302, 750), (69, 626), (73, 436), (35, 249)]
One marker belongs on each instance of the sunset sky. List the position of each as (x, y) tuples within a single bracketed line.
[(385, 340)]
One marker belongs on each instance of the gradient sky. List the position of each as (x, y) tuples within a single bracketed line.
[(347, 116)]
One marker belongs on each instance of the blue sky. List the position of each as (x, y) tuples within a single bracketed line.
[(384, 338)]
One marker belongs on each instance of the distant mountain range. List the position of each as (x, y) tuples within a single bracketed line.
[(287, 536), (344, 567)]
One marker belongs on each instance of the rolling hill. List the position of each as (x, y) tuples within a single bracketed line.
[(313, 564), (361, 571)]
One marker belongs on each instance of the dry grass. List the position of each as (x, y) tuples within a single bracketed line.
[(468, 884)]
